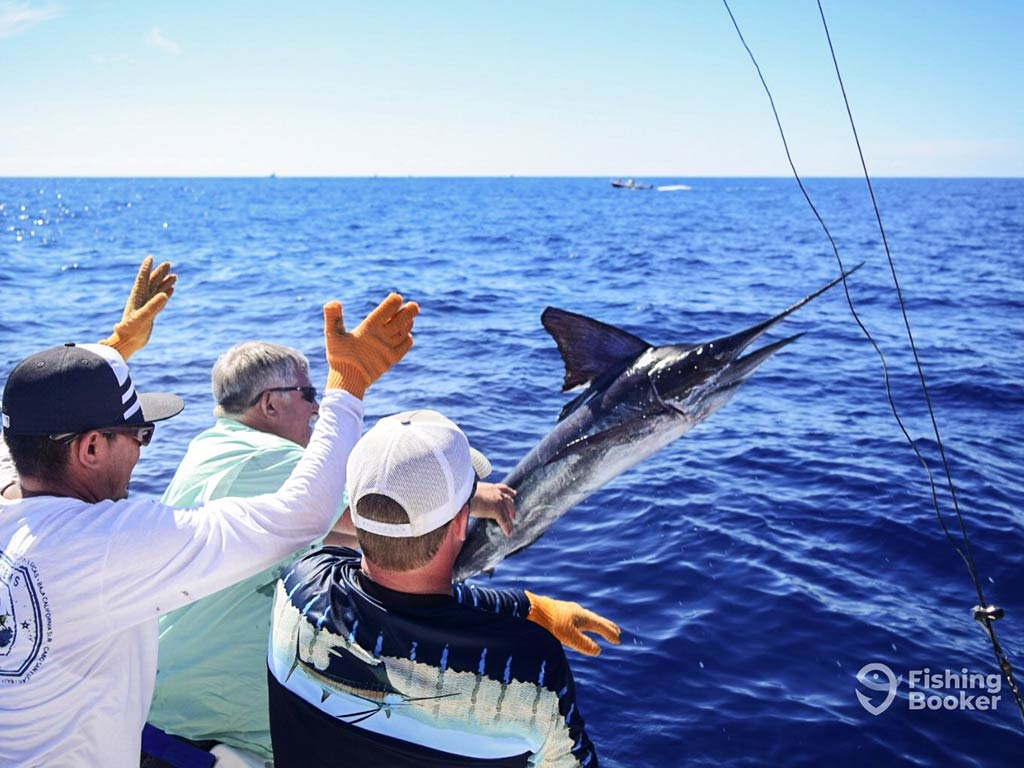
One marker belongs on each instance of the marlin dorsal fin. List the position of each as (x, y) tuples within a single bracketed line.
[(589, 347)]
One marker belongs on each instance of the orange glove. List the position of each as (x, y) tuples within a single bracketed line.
[(359, 358), (149, 295), (568, 621)]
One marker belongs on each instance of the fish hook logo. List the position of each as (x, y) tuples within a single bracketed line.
[(869, 677)]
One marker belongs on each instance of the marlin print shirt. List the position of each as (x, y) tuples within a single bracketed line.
[(364, 675)]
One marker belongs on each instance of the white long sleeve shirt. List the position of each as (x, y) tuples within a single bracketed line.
[(82, 586)]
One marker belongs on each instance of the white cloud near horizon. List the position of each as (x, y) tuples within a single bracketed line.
[(16, 18), (157, 40)]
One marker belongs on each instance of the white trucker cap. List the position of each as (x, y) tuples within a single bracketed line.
[(422, 461)]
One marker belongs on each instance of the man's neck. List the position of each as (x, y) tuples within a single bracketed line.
[(254, 420), (29, 487), (432, 579), (248, 419)]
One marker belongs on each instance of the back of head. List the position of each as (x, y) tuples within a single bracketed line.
[(389, 552), (408, 477), (38, 456), (242, 373)]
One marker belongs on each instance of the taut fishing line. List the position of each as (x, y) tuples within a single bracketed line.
[(984, 613)]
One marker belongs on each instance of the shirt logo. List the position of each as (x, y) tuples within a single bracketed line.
[(22, 613)]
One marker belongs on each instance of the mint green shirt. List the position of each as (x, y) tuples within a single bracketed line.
[(212, 676)]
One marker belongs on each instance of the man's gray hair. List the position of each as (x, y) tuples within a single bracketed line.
[(242, 373)]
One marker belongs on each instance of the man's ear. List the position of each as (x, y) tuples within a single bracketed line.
[(460, 523), (90, 449), (264, 404)]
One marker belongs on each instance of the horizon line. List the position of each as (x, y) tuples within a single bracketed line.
[(487, 176)]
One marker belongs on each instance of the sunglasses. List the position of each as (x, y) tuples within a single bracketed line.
[(142, 434), (308, 393)]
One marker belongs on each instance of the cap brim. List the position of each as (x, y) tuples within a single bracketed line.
[(481, 465), (159, 406)]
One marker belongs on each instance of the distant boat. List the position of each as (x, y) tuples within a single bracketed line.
[(629, 184)]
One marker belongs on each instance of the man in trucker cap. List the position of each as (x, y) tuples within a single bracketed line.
[(382, 659)]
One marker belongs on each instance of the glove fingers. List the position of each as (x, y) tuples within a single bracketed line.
[(609, 630), (150, 309), (399, 351), (396, 329), (140, 290), (583, 644), (401, 324), (404, 317), (334, 317), (382, 314), (167, 286), (142, 278), (161, 279), (160, 272)]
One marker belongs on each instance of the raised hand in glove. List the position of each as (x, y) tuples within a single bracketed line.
[(359, 358), (152, 289), (568, 621)]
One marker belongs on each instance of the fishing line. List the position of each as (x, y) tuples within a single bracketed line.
[(984, 613)]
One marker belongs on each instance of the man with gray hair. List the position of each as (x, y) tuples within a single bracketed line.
[(245, 379), (211, 683)]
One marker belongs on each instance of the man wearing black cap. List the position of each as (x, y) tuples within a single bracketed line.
[(149, 295), (383, 660), (63, 409), (85, 573)]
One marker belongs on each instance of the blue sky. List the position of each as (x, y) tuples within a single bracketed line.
[(656, 88)]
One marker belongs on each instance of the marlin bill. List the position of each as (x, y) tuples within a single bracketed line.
[(637, 398)]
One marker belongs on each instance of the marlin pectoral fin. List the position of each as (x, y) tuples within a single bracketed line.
[(589, 347)]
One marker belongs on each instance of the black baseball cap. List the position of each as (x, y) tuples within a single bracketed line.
[(76, 388)]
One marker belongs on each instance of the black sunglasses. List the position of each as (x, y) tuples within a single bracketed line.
[(308, 393), (143, 434)]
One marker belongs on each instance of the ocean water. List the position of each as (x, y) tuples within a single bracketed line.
[(757, 564)]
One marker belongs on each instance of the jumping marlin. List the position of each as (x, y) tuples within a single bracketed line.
[(638, 399)]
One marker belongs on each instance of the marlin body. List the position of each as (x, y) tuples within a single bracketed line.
[(637, 399)]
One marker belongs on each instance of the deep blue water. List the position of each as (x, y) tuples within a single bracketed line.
[(756, 564)]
